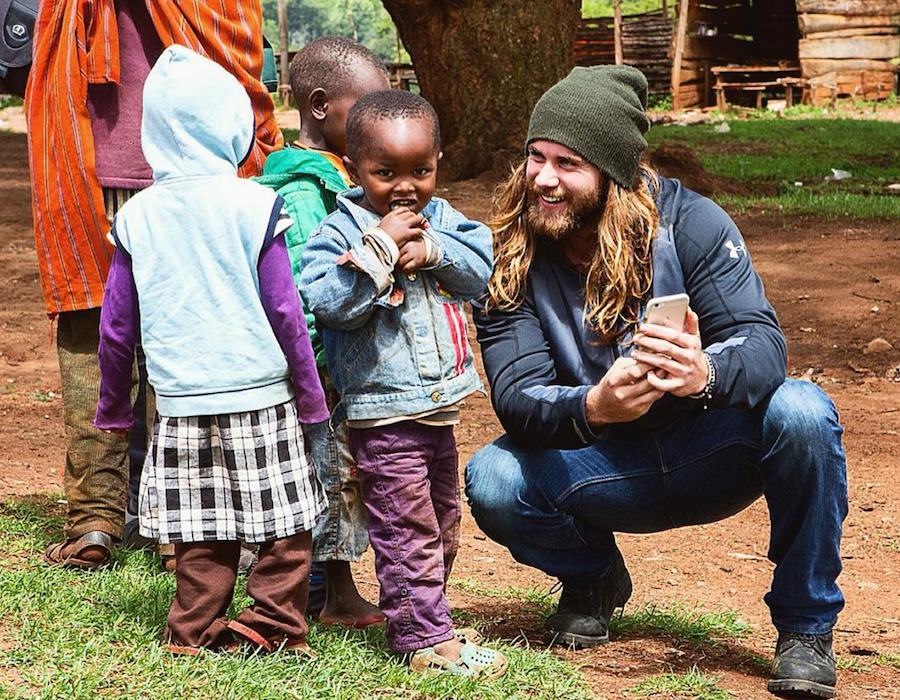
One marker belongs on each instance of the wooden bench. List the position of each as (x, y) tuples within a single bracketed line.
[(755, 80), (757, 88)]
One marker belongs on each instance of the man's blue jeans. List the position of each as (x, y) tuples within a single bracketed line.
[(557, 510)]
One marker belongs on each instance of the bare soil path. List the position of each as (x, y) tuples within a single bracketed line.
[(836, 287)]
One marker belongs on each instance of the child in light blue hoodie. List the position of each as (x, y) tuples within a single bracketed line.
[(201, 274)]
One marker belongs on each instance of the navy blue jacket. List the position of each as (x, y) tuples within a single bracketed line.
[(541, 361)]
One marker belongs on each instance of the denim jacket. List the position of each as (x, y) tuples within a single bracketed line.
[(398, 347)]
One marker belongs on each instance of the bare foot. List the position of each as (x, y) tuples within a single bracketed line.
[(449, 649), (343, 604)]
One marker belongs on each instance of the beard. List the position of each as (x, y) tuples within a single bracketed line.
[(581, 208)]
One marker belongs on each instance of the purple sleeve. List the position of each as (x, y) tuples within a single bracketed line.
[(281, 302), (119, 330)]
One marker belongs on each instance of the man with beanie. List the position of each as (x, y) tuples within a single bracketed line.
[(618, 425)]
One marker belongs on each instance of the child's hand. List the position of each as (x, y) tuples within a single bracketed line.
[(413, 256), (403, 225)]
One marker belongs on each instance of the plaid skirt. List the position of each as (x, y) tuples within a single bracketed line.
[(236, 476)]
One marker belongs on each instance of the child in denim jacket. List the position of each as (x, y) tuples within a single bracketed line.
[(327, 76), (386, 276)]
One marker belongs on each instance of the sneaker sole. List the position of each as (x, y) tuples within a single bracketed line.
[(799, 688), (576, 641)]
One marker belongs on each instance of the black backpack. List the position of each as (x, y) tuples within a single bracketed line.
[(17, 19)]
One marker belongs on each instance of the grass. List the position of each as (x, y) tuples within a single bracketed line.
[(766, 153), (694, 626), (541, 601), (68, 634), (692, 684), (674, 619), (891, 660), (864, 664), (10, 101), (833, 205)]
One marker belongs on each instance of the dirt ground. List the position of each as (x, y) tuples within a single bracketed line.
[(836, 287)]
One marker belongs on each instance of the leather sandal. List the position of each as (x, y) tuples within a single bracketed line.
[(95, 539), (251, 636)]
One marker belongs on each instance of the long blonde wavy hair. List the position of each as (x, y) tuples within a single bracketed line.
[(620, 274)]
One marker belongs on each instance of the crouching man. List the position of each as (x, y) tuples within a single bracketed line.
[(615, 425)]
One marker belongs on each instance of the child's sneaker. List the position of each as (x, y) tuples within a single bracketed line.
[(473, 661)]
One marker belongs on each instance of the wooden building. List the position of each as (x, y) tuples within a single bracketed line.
[(743, 50)]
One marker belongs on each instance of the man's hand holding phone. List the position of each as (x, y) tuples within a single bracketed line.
[(675, 354)]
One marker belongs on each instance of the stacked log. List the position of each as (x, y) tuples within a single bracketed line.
[(646, 38), (849, 48)]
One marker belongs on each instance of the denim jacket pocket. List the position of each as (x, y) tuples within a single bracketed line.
[(359, 345)]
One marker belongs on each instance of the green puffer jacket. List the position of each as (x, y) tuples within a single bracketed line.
[(309, 184)]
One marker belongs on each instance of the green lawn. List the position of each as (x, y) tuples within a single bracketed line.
[(692, 684), (68, 634), (767, 153)]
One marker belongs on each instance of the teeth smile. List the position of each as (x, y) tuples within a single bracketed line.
[(551, 200)]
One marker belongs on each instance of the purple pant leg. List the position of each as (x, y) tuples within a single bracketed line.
[(398, 472), (444, 475)]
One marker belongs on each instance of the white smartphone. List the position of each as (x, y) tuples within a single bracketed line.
[(671, 308)]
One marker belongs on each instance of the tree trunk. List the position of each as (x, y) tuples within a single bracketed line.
[(483, 64)]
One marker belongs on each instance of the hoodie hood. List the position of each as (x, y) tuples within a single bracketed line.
[(197, 117)]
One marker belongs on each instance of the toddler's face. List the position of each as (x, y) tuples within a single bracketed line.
[(398, 166)]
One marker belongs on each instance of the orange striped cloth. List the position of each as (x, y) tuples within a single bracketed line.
[(76, 43)]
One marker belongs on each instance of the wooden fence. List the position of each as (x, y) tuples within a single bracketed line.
[(646, 39)]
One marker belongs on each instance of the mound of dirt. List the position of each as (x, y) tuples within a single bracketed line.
[(674, 159)]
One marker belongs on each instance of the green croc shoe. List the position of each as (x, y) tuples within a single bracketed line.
[(473, 661)]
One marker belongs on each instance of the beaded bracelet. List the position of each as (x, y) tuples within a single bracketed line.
[(707, 393)]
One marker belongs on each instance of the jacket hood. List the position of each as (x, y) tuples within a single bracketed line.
[(197, 118), (289, 163)]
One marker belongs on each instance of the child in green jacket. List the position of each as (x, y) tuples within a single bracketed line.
[(327, 77)]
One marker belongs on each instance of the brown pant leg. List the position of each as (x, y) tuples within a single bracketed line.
[(205, 574), (96, 476), (279, 586)]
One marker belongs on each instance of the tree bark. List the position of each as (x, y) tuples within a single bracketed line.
[(483, 64)]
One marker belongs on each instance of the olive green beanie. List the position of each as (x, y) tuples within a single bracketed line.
[(598, 112)]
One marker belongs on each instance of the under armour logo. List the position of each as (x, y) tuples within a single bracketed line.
[(734, 251)]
